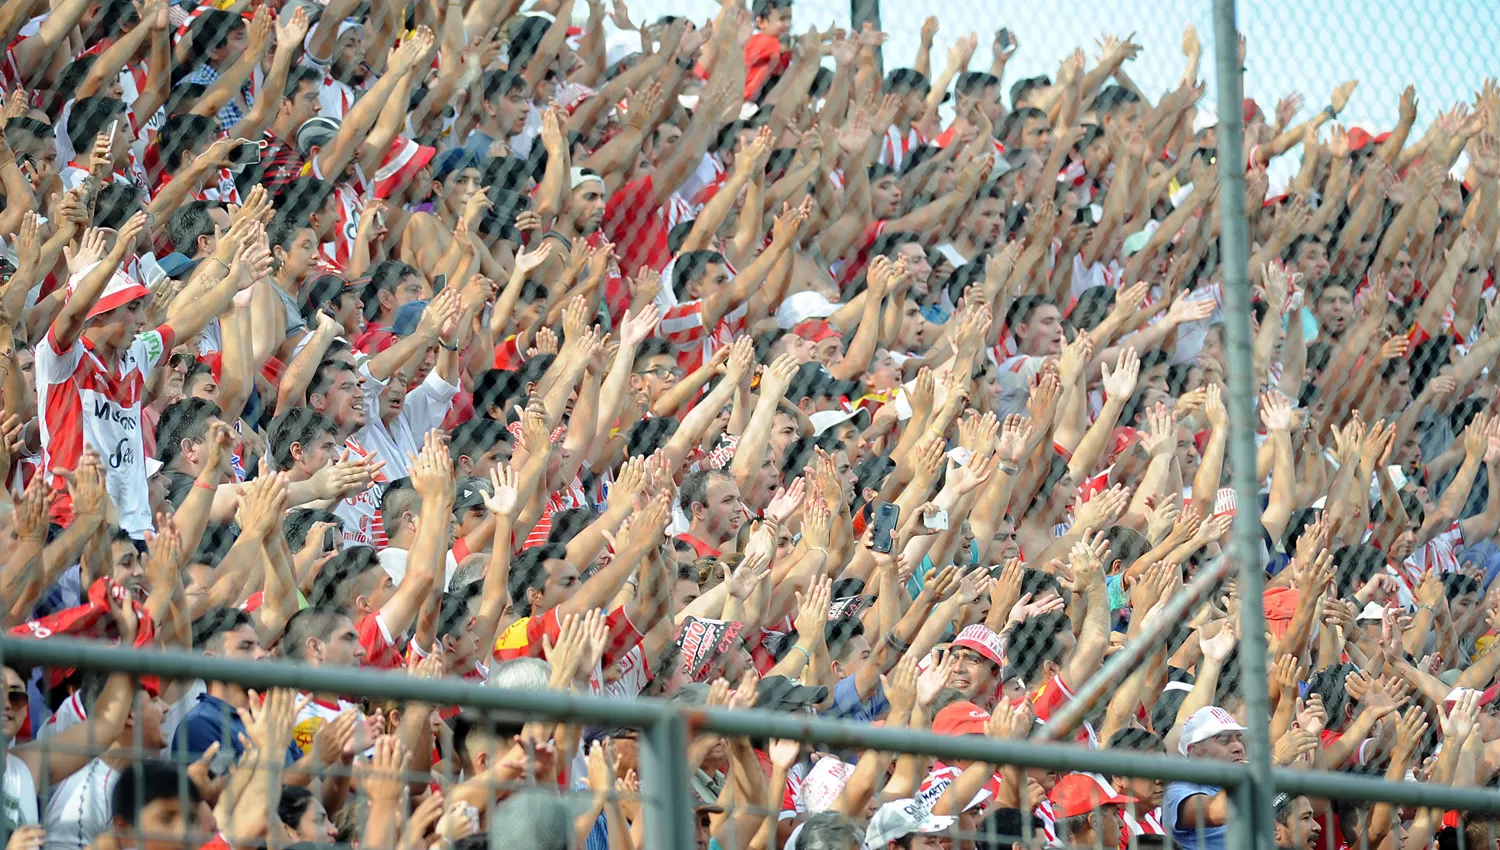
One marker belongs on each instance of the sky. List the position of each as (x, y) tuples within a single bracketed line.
[(1443, 47)]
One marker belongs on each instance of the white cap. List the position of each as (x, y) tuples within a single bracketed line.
[(1205, 119), (824, 783), (804, 305), (825, 419), (1205, 723), (621, 44), (899, 818)]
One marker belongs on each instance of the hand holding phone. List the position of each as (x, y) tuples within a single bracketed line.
[(882, 538)]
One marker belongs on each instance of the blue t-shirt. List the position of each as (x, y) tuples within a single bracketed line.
[(847, 705), (211, 721), (1187, 839)]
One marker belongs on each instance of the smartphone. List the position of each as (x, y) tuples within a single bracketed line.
[(244, 155), (937, 521), (113, 126), (887, 514), (439, 283), (1006, 42)]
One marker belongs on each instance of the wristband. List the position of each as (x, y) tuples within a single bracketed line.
[(805, 653), (684, 62), (222, 263), (1332, 113), (446, 347), (894, 643), (1008, 468), (201, 486)]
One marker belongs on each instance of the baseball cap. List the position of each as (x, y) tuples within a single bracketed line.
[(175, 265), (961, 718), (1205, 723), (316, 131), (471, 493), (402, 162), (1078, 794), (407, 317), (451, 160), (825, 419), (801, 306), (899, 818), (1486, 697), (814, 381), (979, 638), (780, 693), (120, 290), (816, 330), (1205, 119)]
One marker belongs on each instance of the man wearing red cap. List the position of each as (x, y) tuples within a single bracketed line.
[(1087, 814), (92, 369), (979, 653)]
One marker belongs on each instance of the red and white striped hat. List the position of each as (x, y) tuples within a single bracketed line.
[(121, 290), (401, 164)]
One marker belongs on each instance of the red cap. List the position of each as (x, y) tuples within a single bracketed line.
[(1251, 109), (1359, 137), (816, 330), (402, 162), (961, 718), (1121, 439), (1078, 794)]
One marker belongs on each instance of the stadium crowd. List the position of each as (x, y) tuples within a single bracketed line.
[(552, 348)]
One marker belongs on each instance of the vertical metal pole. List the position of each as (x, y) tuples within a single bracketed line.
[(863, 12), (668, 791), (1234, 250)]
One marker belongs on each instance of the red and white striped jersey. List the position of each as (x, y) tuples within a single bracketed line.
[(361, 512), (943, 775), (337, 252), (895, 147), (682, 325), (1440, 553), (86, 402)]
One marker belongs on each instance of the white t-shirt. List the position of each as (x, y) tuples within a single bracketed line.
[(79, 808), (18, 793), (423, 410)]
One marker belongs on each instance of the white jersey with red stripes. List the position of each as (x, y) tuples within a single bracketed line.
[(896, 145), (683, 326), (85, 402), (361, 512)]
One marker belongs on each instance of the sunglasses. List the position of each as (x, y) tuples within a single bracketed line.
[(16, 697)]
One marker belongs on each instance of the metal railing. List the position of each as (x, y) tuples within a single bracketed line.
[(669, 727)]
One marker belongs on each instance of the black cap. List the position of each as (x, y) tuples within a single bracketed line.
[(471, 493), (780, 693), (814, 381)]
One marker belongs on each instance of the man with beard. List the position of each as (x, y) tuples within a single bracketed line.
[(711, 500), (1297, 824)]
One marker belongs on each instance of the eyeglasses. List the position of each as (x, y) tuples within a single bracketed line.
[(663, 372), (16, 697)]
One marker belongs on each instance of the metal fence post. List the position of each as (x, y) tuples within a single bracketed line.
[(1234, 253), (670, 819)]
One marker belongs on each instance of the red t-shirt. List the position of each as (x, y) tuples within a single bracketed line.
[(379, 644), (763, 57), (637, 224)]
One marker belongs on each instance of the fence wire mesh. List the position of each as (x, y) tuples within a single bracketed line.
[(846, 398)]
